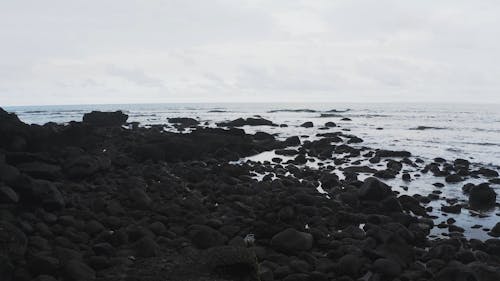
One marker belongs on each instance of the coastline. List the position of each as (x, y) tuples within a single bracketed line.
[(96, 200)]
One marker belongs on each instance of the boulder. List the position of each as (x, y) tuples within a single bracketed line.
[(205, 237), (184, 121), (40, 170), (105, 119), (374, 190), (482, 196), (76, 270), (307, 124), (391, 153), (247, 122), (291, 240), (86, 165), (330, 124), (387, 267), (7, 195), (495, 231)]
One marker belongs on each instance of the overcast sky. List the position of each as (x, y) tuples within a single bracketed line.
[(124, 51)]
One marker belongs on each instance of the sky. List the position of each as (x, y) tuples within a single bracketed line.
[(137, 51)]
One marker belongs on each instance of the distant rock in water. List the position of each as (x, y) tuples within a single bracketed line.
[(247, 122), (339, 111), (421, 128), (105, 119), (325, 115), (308, 124), (184, 121)]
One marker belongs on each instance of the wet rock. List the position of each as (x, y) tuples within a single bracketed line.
[(482, 196), (487, 172), (8, 173), (495, 231), (292, 141), (455, 209), (350, 265), (330, 124), (205, 237), (184, 121), (75, 270), (291, 240), (307, 124), (247, 122), (42, 264), (375, 190), (140, 198), (105, 119), (453, 178), (40, 170), (391, 153)]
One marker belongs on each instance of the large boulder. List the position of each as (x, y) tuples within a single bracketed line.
[(374, 190), (482, 196), (291, 240), (205, 237), (105, 119)]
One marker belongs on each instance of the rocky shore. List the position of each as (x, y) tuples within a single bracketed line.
[(103, 199)]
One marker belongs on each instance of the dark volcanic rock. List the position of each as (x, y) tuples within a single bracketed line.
[(453, 178), (307, 124), (495, 231), (184, 121), (105, 119), (482, 196), (373, 189), (247, 122), (205, 237), (8, 195), (330, 124), (78, 271), (291, 240), (391, 153)]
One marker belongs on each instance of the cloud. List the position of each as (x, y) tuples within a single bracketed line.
[(249, 50)]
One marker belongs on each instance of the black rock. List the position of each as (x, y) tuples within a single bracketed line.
[(40, 170), (453, 178), (495, 231), (205, 237), (105, 119), (387, 267), (307, 124), (86, 165), (375, 190), (291, 240), (487, 172), (292, 141), (455, 209), (184, 121), (247, 122), (391, 153), (330, 124), (8, 195), (146, 247), (75, 270), (482, 196)]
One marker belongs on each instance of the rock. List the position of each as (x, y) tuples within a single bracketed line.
[(350, 264), (330, 124), (8, 195), (140, 198), (105, 119), (487, 172), (184, 121), (86, 165), (307, 124), (205, 237), (48, 195), (13, 241), (40, 170), (146, 247), (75, 270), (453, 178), (391, 153), (44, 277), (495, 231), (8, 173), (247, 122), (373, 189), (455, 209), (292, 141), (482, 196), (387, 267), (41, 264), (291, 240)]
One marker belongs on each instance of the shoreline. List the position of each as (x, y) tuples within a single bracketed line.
[(94, 201)]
